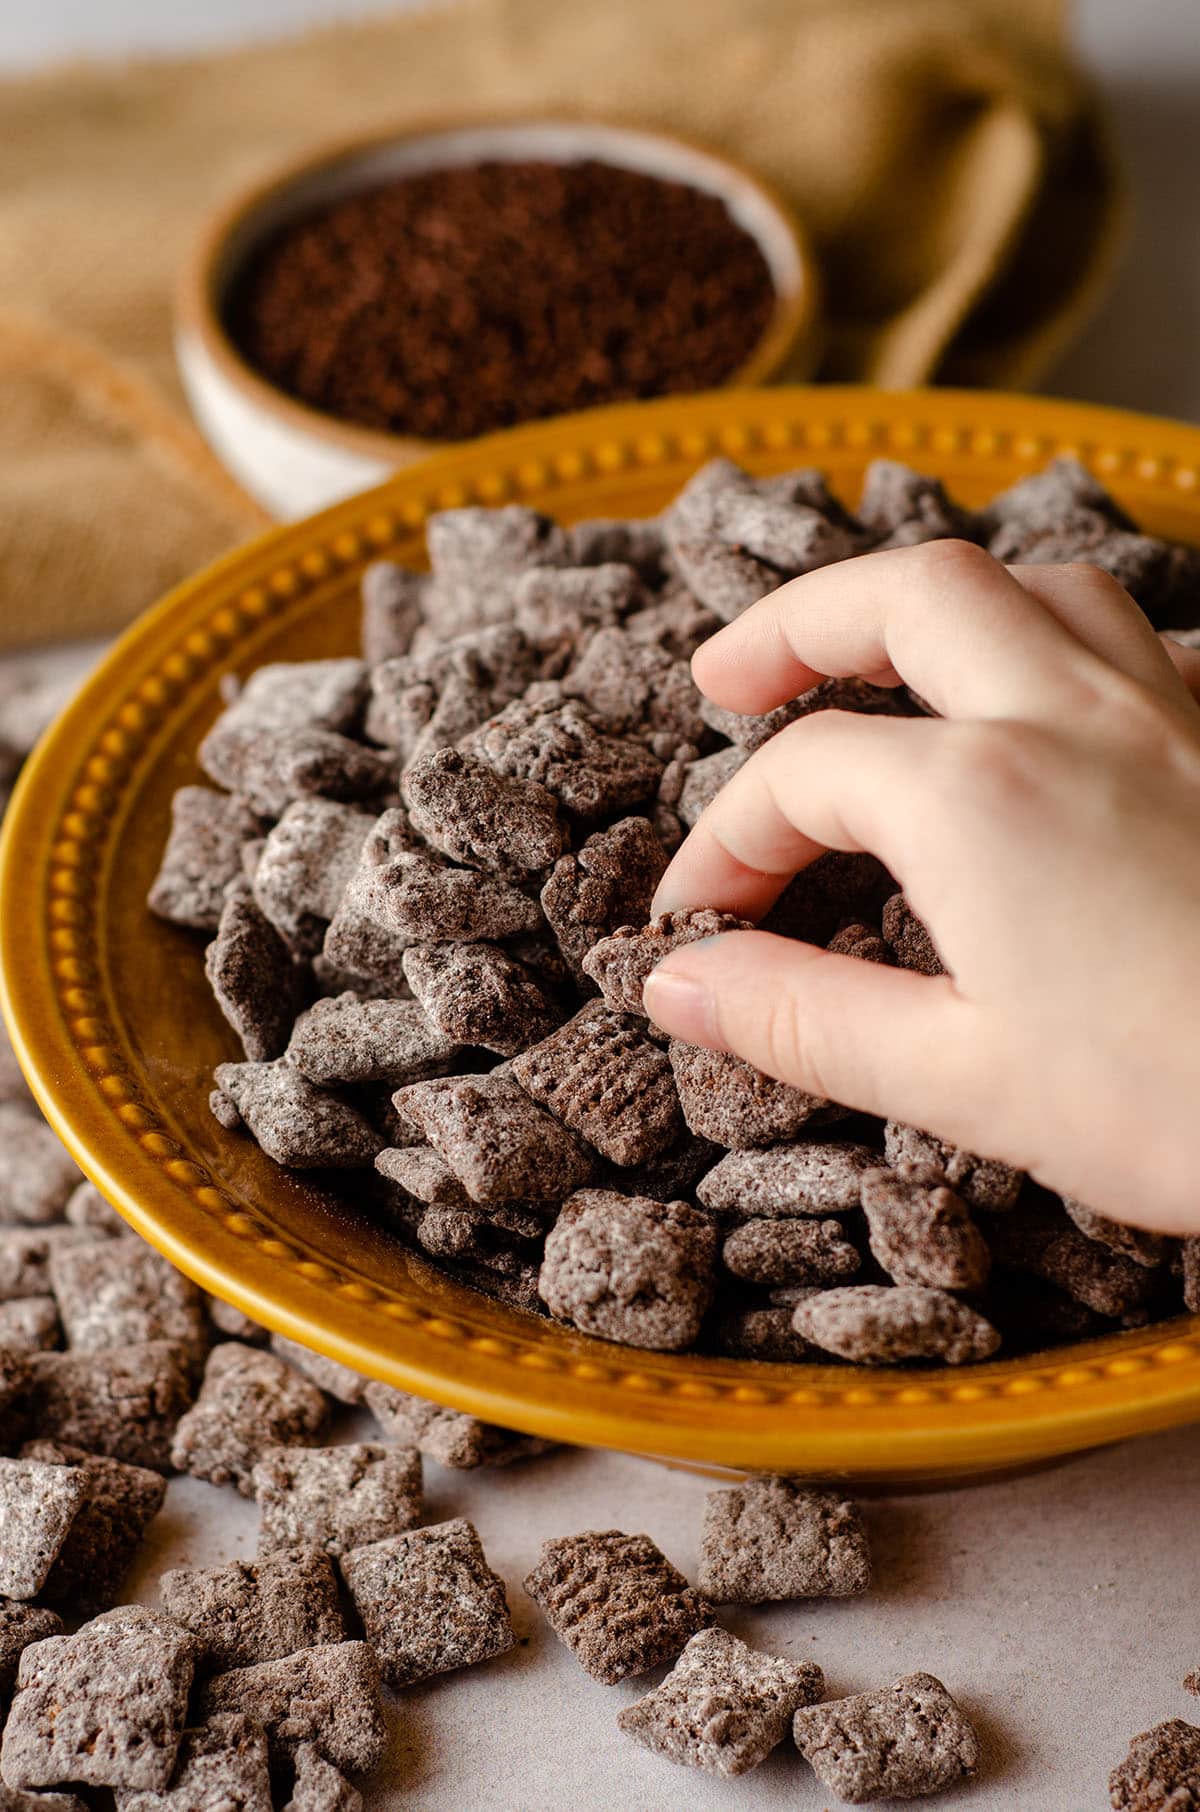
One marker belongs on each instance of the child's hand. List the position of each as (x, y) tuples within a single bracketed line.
[(1047, 830)]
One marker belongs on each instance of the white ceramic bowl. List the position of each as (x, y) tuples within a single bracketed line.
[(295, 459)]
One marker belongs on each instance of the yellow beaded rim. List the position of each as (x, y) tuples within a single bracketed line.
[(343, 1287)]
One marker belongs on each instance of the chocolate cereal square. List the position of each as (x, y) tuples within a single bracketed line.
[(393, 604), (630, 1269), (29, 1324), (800, 1251), (610, 1083), (37, 1174), (121, 1502), (621, 963), (326, 1696), (463, 808), (86, 1207), (423, 1175), (704, 780), (1144, 1248), (773, 1538), (335, 1498), (616, 1602), (894, 497), (786, 1180), (901, 1742), (320, 1787), (297, 1124), (119, 1292), (221, 1766), (909, 939), (499, 1143), (921, 1232), (252, 1611), (873, 1325), (329, 1375), (124, 1402), (249, 1401), (272, 767), (1161, 1773), (252, 975), (1039, 1237), (423, 898), (755, 1333), (981, 1182), (475, 994), (428, 1601), (565, 749), (637, 689), (608, 881), (345, 1040), (723, 1707), (21, 1624), (203, 854), (25, 1254), (449, 1436), (38, 1504), (105, 1707), (305, 865), (727, 1100)]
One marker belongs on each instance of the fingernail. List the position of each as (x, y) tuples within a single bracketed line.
[(681, 1006)]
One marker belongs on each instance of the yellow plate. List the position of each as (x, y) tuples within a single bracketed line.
[(114, 1024)]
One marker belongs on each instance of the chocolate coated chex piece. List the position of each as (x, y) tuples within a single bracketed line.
[(25, 1254), (253, 978), (678, 624), (616, 1602), (305, 865), (121, 1502), (105, 1706), (424, 899), (751, 731), (608, 881), (775, 1251), (1039, 1238), (203, 854), (1046, 498), (393, 603), (476, 547), (428, 1601), (37, 1174), (327, 1374), (468, 812), (630, 1269), (607, 1081), (839, 887), (437, 695), (774, 1538), (319, 1787), (921, 1232), (296, 1124), (564, 748), (422, 1174), (38, 1504), (500, 1239), (252, 1611), (895, 497), (621, 963), (636, 541), (565, 605), (723, 1707), (449, 1436), (274, 767), (704, 781), (346, 1039), (335, 1498), (903, 1741), (221, 1764), (1136, 1243), (785, 1180), (500, 1145), (119, 1292), (1161, 1773), (1191, 1274), (301, 695), (326, 1696), (872, 1324), (475, 994), (87, 1208), (637, 689), (861, 942), (981, 1182), (909, 938), (727, 1100), (21, 1624), (762, 1334), (249, 1401), (124, 1402)]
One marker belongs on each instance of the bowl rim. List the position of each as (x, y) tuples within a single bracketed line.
[(450, 1344), (198, 313)]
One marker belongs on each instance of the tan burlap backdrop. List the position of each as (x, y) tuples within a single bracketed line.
[(944, 153)]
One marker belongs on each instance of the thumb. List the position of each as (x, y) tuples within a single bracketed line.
[(881, 1040)]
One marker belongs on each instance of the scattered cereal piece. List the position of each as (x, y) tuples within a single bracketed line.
[(319, 1786), (327, 1374), (221, 1765), (838, 887), (29, 1324), (422, 1174), (608, 881), (894, 498), (449, 1436), (499, 1238), (425, 899), (25, 1254), (775, 1251), (871, 1324), (566, 750), (252, 1611), (903, 1741), (393, 603), (295, 1123), (630, 1269), (124, 1402), (38, 1504), (1142, 1247), (21, 1624), (203, 854), (429, 1602), (981, 1182), (608, 1082), (774, 1538), (86, 1207), (119, 1292), (860, 941), (678, 623), (326, 1696), (621, 962), (346, 1039), (306, 864), (616, 1602), (335, 1498), (704, 781), (434, 697), (250, 1400), (499, 1144), (921, 1232), (468, 812), (723, 1707), (909, 938), (302, 695), (105, 1706), (762, 1334), (727, 1100), (253, 978), (637, 689), (1040, 1239), (637, 541), (476, 994), (121, 1502), (751, 731), (274, 767), (1046, 498), (37, 1174), (786, 1180), (474, 550), (1161, 1773), (564, 606)]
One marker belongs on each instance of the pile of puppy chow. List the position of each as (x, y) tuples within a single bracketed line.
[(426, 879)]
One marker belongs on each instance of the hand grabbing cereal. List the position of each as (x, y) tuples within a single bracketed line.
[(1044, 828)]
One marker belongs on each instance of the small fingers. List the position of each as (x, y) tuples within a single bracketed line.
[(1100, 614)]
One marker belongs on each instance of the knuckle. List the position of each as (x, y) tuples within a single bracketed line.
[(952, 561)]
